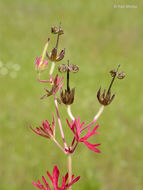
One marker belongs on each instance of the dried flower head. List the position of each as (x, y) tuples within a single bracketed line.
[(105, 99), (53, 55), (67, 97)]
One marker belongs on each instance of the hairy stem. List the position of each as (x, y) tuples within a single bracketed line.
[(69, 169), (60, 124), (69, 112), (99, 113)]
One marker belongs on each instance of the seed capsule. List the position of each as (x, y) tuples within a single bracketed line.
[(63, 68), (54, 30), (105, 99), (121, 75), (113, 73), (60, 32), (73, 68), (67, 97)]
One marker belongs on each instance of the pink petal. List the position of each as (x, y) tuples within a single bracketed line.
[(89, 134), (72, 182), (36, 185), (88, 125), (55, 176), (50, 177), (69, 123), (92, 146), (44, 81), (46, 184)]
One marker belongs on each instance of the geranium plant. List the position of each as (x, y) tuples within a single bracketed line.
[(66, 97)]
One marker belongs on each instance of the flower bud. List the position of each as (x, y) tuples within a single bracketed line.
[(40, 66)]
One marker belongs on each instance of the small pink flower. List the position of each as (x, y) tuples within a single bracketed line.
[(54, 179), (40, 66), (77, 129), (56, 85), (46, 130)]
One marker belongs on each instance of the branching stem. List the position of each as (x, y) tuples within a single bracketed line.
[(60, 124), (69, 169)]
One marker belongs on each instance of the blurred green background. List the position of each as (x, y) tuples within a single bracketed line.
[(97, 37)]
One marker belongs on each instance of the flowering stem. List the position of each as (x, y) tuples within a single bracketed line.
[(60, 124), (69, 169), (52, 68), (58, 145), (99, 112), (69, 112)]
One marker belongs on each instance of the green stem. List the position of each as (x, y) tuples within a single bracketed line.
[(69, 112), (69, 169), (99, 112), (52, 68)]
